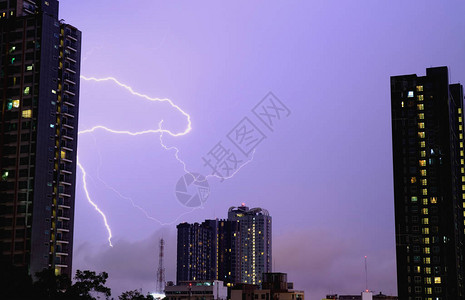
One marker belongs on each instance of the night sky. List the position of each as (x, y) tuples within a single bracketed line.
[(324, 172)]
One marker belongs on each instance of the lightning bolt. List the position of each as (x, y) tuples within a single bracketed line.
[(84, 175), (160, 130), (133, 203), (176, 155), (128, 88)]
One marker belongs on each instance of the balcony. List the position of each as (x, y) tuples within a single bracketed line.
[(61, 261), (63, 215), (63, 203), (67, 133), (71, 45), (70, 91), (63, 227), (70, 77)]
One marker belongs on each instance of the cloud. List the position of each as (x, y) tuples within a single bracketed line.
[(130, 265), (316, 260), (320, 263)]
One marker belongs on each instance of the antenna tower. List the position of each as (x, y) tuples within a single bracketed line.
[(161, 269)]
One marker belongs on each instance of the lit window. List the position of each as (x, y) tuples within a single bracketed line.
[(424, 182), (423, 172), (52, 125), (434, 200), (26, 90), (460, 119), (9, 104), (414, 199), (419, 88), (460, 136), (421, 116), (422, 162), (413, 180), (425, 230), (427, 280), (29, 68), (422, 144), (429, 291), (423, 153), (27, 114), (426, 250), (54, 92), (461, 144), (63, 154), (425, 201), (16, 103), (417, 269), (421, 135), (424, 211), (460, 127), (428, 270), (402, 103), (437, 280), (460, 110), (410, 94), (426, 241), (421, 125), (420, 107), (5, 175), (420, 97)]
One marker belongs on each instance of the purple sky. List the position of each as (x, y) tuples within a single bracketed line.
[(325, 173)]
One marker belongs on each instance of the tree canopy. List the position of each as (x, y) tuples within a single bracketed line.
[(16, 283)]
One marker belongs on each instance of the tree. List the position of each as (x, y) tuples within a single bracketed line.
[(134, 295), (87, 284)]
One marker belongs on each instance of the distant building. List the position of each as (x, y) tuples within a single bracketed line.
[(274, 287), (237, 250), (255, 234), (429, 185), (208, 251), (39, 101), (196, 252), (363, 296), (197, 290)]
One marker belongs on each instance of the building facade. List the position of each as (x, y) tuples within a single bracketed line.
[(196, 250), (197, 290), (39, 79), (429, 185), (274, 287), (208, 251), (236, 250), (255, 242)]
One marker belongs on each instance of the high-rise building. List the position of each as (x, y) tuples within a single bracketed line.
[(255, 242), (39, 92), (228, 251), (196, 250), (429, 185), (208, 251)]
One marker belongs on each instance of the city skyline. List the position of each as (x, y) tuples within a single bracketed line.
[(327, 167)]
